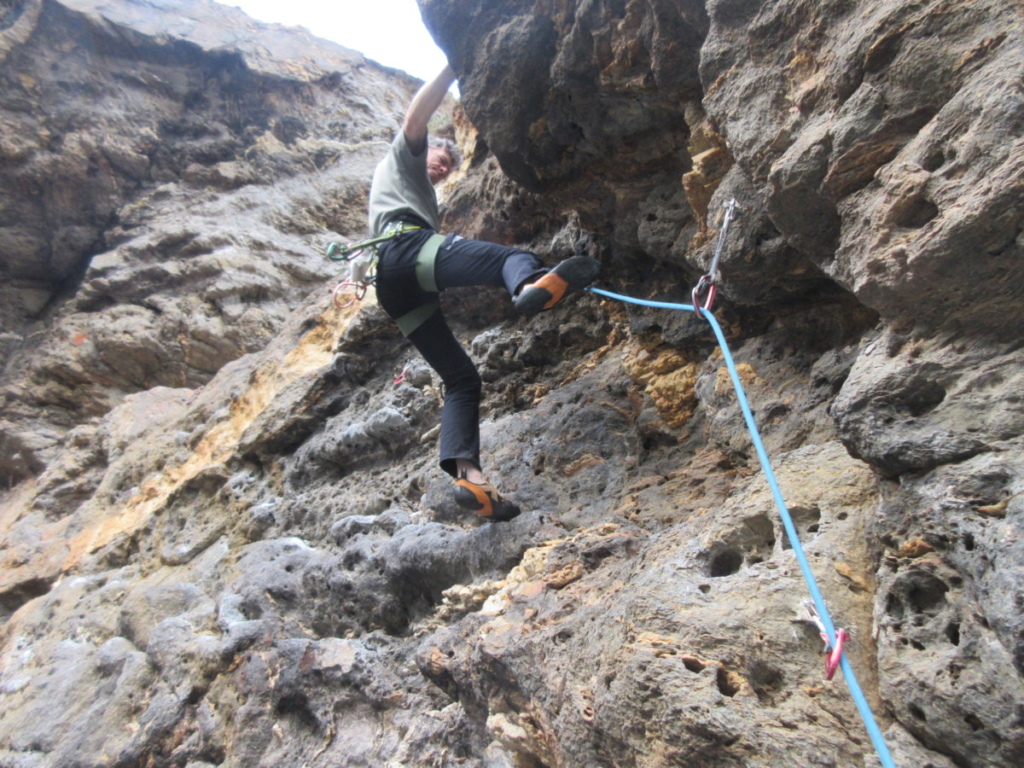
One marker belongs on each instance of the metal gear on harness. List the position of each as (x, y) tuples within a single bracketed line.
[(361, 263), (706, 287), (362, 260)]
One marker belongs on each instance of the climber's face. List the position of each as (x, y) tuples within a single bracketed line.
[(439, 164)]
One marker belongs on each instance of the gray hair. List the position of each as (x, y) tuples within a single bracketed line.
[(450, 147)]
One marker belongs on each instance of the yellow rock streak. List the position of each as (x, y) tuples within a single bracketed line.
[(313, 351)]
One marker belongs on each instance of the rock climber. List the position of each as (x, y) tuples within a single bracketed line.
[(417, 264)]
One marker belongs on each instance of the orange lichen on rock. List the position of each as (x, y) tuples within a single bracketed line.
[(668, 377)]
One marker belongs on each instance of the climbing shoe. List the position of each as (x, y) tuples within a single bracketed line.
[(571, 275), (484, 501)]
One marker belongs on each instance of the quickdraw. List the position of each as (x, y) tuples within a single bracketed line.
[(362, 260), (833, 652), (706, 286), (835, 658), (362, 271)]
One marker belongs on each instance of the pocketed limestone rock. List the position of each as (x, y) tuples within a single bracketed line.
[(224, 536)]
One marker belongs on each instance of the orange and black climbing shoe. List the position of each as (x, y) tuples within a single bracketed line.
[(484, 501), (571, 275)]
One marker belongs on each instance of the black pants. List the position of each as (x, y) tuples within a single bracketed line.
[(459, 262)]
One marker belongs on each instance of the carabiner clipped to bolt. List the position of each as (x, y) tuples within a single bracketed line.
[(835, 655), (704, 291), (704, 287)]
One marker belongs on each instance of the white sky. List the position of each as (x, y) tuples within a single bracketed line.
[(390, 32)]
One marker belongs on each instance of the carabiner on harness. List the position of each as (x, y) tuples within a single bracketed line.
[(338, 252), (346, 293), (362, 260), (704, 291)]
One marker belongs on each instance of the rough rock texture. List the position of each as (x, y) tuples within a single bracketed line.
[(162, 178), (224, 539)]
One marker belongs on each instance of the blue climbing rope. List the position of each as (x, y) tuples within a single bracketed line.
[(812, 585)]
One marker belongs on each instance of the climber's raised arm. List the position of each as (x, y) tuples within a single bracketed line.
[(415, 264), (424, 104)]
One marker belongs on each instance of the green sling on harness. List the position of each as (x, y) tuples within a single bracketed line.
[(413, 319), (425, 259)]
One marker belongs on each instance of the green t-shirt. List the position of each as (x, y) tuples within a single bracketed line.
[(401, 185)]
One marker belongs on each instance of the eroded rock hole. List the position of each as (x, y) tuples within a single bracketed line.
[(352, 559), (765, 679), (250, 610), (196, 695), (974, 722), (725, 563), (894, 607), (917, 214), (953, 633), (13, 599), (692, 664), (296, 707), (806, 519), (726, 686), (924, 398), (758, 538), (934, 161), (917, 712), (927, 594)]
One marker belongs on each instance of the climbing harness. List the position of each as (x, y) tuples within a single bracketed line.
[(818, 611), (362, 260), (705, 287)]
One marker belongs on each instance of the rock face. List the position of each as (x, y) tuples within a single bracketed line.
[(224, 538), (163, 175)]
